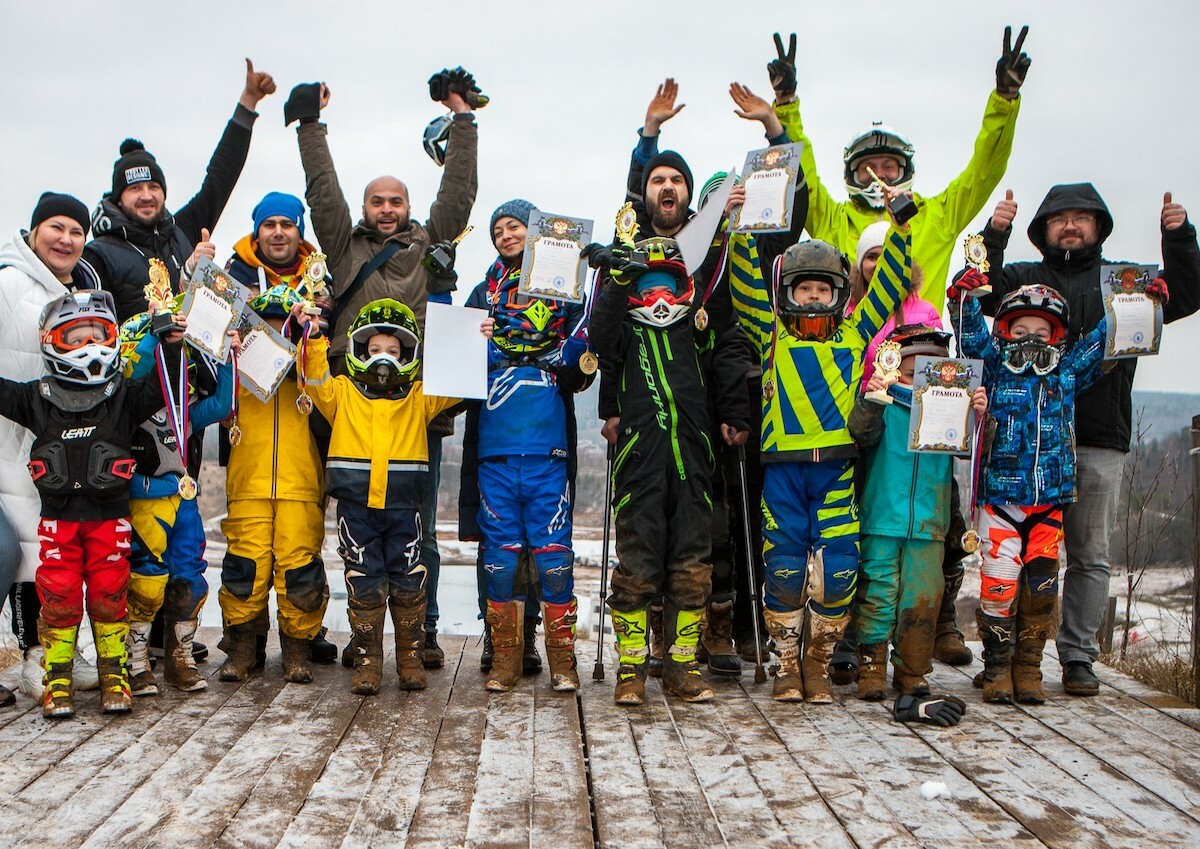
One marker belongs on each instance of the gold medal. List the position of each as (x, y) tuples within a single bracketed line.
[(768, 389), (304, 404), (235, 434), (588, 362), (188, 488), (702, 319), (970, 541)]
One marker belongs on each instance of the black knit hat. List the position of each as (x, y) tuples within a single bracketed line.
[(136, 165), (673, 160), (51, 204)]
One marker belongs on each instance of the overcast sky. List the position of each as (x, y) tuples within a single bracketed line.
[(1110, 98)]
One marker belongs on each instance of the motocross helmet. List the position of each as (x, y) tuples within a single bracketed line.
[(878, 140), (436, 134), (917, 339), (79, 337), (275, 302), (1028, 352), (663, 293), (812, 260), (382, 371), (526, 326)]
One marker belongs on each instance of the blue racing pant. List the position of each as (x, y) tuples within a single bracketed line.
[(809, 509), (526, 501), (167, 559), (381, 549)]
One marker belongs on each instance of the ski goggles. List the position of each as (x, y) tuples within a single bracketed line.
[(81, 332), (1020, 357)]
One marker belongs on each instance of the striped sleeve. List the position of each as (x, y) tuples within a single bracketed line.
[(893, 276), (748, 290)]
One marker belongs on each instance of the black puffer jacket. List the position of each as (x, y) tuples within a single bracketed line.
[(121, 248), (1103, 414)]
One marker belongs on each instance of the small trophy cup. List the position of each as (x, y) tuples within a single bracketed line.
[(312, 278), (976, 255), (887, 369), (160, 298), (903, 208)]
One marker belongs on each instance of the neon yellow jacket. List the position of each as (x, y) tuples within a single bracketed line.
[(940, 219), (277, 457), (378, 453), (816, 383)]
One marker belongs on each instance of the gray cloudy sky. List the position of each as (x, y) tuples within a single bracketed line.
[(1109, 98)]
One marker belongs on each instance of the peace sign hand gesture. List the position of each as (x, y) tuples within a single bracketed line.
[(1012, 65), (783, 70)]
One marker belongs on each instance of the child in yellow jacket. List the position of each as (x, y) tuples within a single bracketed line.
[(378, 469)]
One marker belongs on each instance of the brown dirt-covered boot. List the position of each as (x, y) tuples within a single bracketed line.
[(681, 671), (507, 621), (58, 661), (654, 664), (408, 619), (367, 626), (1034, 626), (948, 645), (295, 659), (821, 635), (629, 629), (872, 672), (239, 642), (716, 647), (180, 663), (559, 623), (111, 663), (996, 634), (912, 659), (785, 628)]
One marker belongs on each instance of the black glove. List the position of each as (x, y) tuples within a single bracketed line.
[(940, 710), (624, 268), (459, 81), (783, 69), (303, 104), (439, 261), (597, 255), (1012, 65)]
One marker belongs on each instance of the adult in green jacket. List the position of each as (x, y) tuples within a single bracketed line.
[(941, 217)]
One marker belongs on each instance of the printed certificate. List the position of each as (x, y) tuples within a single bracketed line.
[(770, 177), (552, 267), (265, 358), (1135, 319), (942, 420), (213, 305)]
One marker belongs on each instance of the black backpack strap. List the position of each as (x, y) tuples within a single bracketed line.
[(368, 268)]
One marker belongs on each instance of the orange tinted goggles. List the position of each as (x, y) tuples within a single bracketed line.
[(75, 334)]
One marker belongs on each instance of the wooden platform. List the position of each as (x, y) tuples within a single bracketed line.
[(263, 764)]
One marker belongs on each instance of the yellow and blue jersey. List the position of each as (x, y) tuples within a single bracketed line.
[(815, 382)]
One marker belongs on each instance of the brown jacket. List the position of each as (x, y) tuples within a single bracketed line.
[(349, 246)]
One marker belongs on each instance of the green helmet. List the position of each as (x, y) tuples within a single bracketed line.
[(382, 371), (275, 302)]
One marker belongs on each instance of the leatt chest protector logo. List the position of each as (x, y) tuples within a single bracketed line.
[(137, 174), (78, 432)]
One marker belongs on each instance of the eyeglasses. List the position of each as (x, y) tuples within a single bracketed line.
[(1078, 219)]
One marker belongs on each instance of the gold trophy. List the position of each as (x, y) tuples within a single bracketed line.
[(312, 281), (159, 297), (976, 255), (887, 369), (627, 226)]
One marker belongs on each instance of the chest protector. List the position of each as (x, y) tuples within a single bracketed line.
[(79, 448)]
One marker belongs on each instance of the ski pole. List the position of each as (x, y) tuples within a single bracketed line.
[(598, 671), (760, 674)]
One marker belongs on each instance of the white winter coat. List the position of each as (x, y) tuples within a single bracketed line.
[(26, 286)]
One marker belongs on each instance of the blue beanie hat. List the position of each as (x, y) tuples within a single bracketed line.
[(277, 203), (515, 208)]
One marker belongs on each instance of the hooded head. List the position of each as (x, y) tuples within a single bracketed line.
[(667, 192), (1072, 223)]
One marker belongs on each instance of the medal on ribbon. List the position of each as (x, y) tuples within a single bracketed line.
[(178, 415), (235, 432), (304, 403)]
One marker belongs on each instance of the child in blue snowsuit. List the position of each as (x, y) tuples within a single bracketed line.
[(167, 562)]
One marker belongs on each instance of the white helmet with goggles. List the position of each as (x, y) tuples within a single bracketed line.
[(878, 140), (79, 337)]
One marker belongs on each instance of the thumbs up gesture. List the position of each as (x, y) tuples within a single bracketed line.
[(1005, 212), (203, 248), (1173, 215), (258, 86)]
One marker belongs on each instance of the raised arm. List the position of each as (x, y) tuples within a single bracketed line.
[(1181, 261), (451, 209)]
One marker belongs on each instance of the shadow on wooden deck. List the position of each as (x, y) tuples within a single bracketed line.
[(263, 764)]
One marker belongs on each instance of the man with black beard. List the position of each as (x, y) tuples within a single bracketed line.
[(661, 188)]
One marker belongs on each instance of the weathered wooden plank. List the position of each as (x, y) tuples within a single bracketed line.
[(726, 781), (620, 787), (502, 806), (394, 792), (444, 804), (680, 805), (267, 811), (95, 779), (863, 815), (21, 709), (777, 776), (901, 761), (561, 813), (160, 795)]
